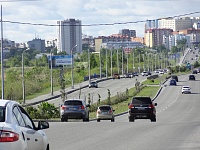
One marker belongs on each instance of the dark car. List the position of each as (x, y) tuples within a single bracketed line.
[(194, 72), (116, 76), (175, 77), (135, 74), (191, 77), (74, 109), (93, 84), (142, 108), (172, 82)]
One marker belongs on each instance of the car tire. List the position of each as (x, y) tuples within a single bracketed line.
[(153, 119), (62, 119), (131, 119), (98, 120)]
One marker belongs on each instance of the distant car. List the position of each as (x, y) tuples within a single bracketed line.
[(128, 75), (144, 73), (161, 72), (149, 73), (186, 89), (105, 112), (191, 77), (141, 108), (175, 77), (172, 82), (93, 84), (74, 109), (116, 76), (135, 74), (194, 72), (17, 129)]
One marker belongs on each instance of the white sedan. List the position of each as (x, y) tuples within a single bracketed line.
[(18, 131), (186, 89)]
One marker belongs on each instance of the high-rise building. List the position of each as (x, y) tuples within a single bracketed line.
[(176, 24), (70, 35), (37, 44), (127, 32), (151, 24)]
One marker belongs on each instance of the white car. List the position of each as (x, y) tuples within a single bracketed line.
[(186, 89), (17, 129), (144, 73)]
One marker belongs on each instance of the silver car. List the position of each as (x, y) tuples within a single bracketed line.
[(74, 109), (17, 130), (105, 112)]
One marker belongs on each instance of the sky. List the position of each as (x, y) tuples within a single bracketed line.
[(21, 18)]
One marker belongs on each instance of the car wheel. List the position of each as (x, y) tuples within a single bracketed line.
[(98, 120), (48, 147), (66, 119), (153, 119), (62, 119), (131, 119)]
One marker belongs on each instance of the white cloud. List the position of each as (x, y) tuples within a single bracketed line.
[(89, 12)]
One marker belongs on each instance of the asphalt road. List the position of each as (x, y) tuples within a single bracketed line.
[(114, 85), (177, 126)]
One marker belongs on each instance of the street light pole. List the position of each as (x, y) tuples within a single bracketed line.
[(89, 65), (51, 73), (106, 63), (122, 61), (117, 61), (23, 81), (73, 65), (111, 63), (2, 68)]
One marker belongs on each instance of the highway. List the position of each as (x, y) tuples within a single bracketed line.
[(177, 126)]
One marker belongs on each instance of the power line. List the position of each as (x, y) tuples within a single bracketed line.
[(100, 24)]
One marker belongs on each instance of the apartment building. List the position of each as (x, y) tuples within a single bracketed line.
[(70, 35), (154, 37), (37, 44), (105, 39)]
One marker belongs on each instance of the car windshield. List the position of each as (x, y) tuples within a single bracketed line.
[(104, 108), (2, 114), (73, 102), (142, 100)]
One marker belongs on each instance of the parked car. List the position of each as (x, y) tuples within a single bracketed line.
[(141, 108), (172, 82), (144, 73), (186, 90), (116, 76), (17, 129), (175, 77), (74, 109), (128, 75), (93, 84), (191, 77), (135, 74), (194, 72), (105, 112)]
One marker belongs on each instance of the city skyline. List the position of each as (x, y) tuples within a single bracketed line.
[(97, 16)]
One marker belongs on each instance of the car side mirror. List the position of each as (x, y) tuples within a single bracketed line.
[(113, 110), (128, 104), (155, 104), (43, 125), (88, 105)]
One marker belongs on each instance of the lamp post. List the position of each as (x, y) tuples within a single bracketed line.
[(122, 61), (117, 62), (2, 68), (111, 68), (89, 64), (73, 65), (51, 73), (23, 81), (106, 63)]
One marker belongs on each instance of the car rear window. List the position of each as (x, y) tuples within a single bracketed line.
[(2, 114), (143, 100), (73, 102), (104, 108)]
